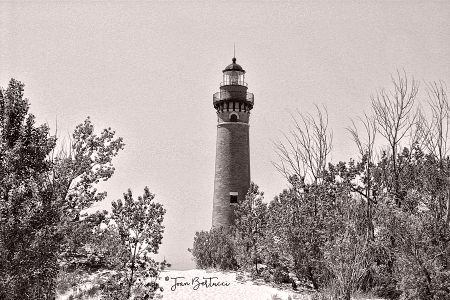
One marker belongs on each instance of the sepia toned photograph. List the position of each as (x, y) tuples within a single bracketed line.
[(224, 150)]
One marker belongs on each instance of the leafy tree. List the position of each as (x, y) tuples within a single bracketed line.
[(293, 228), (365, 186), (27, 215), (76, 170), (238, 246), (42, 192), (214, 249), (378, 223), (279, 246), (346, 254), (419, 229), (85, 244), (79, 168), (249, 225), (139, 224)]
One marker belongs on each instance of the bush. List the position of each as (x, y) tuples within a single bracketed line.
[(67, 280), (214, 249), (139, 225), (319, 296), (281, 275)]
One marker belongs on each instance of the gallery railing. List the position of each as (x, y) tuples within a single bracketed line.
[(233, 95)]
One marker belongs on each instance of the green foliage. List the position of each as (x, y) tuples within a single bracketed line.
[(214, 249), (27, 217), (238, 246), (87, 161), (42, 194), (378, 226), (139, 226), (346, 255), (414, 232), (84, 243), (249, 227), (320, 296)]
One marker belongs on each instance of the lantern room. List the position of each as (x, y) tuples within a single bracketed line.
[(233, 75), (233, 93)]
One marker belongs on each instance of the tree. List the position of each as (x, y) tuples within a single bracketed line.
[(41, 192), (139, 224), (395, 118), (293, 224), (436, 132), (85, 243), (364, 185), (346, 253), (306, 149), (419, 229), (412, 231), (76, 170), (214, 249), (27, 214), (249, 225)]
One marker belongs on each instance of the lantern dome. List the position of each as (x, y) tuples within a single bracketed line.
[(233, 75), (234, 67)]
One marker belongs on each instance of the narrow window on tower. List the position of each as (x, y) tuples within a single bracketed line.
[(234, 117), (233, 197)]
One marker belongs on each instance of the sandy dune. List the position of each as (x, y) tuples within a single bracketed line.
[(204, 285), (214, 285)]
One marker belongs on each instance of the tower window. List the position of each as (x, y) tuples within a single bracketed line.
[(234, 117), (233, 197)]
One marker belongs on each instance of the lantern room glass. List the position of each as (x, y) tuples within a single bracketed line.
[(233, 77)]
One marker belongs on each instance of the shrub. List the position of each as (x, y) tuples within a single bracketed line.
[(139, 225), (320, 296), (214, 249), (281, 275), (276, 297)]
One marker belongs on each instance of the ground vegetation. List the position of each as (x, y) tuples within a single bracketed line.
[(378, 223)]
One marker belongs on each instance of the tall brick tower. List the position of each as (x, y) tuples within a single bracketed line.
[(232, 176)]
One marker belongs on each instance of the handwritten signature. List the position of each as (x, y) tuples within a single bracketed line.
[(196, 283)]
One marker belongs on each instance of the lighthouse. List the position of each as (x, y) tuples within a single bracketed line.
[(232, 169)]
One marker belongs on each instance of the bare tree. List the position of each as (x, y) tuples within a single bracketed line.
[(396, 118), (307, 146), (438, 129), (365, 146), (436, 133), (366, 151)]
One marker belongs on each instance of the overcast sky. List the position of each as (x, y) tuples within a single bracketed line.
[(149, 70)]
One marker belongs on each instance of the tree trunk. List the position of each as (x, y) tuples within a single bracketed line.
[(130, 284), (347, 295), (311, 277), (448, 209), (370, 227), (256, 256), (427, 276)]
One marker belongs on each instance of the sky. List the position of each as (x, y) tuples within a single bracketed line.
[(149, 69)]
